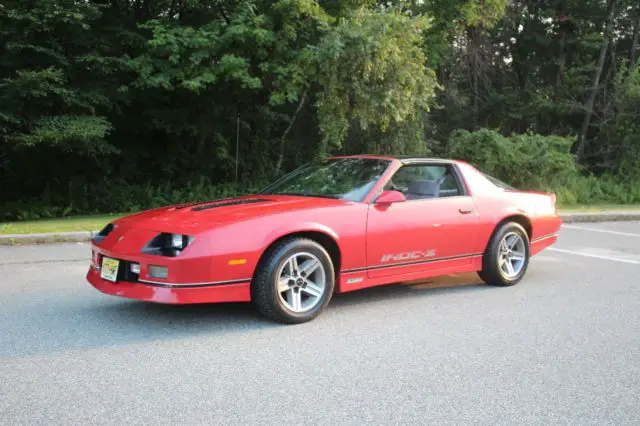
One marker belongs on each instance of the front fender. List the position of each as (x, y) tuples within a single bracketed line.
[(296, 227)]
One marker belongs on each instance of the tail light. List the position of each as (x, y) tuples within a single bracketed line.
[(552, 204)]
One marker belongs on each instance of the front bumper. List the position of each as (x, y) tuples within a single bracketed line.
[(172, 293), (185, 280)]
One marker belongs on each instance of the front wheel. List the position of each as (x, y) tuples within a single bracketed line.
[(294, 282), (506, 259)]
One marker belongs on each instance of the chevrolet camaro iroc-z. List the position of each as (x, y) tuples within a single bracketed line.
[(331, 226)]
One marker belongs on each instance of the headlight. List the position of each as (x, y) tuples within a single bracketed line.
[(167, 244), (179, 242)]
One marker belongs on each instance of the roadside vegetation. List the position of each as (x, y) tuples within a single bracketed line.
[(98, 221), (114, 106), (69, 224)]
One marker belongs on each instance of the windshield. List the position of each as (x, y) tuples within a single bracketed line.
[(348, 179)]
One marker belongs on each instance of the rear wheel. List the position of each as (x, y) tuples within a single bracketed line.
[(294, 282), (506, 258)]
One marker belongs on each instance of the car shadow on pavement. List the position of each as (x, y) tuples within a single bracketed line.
[(72, 321), (427, 288), (242, 316)]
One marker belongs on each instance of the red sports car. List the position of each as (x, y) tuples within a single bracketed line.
[(337, 225)]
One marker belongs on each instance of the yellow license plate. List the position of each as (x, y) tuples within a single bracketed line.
[(109, 270)]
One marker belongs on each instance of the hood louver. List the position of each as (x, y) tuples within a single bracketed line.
[(229, 203)]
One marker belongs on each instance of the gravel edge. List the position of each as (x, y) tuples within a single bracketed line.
[(84, 236)]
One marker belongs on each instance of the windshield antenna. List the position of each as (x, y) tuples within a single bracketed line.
[(237, 147)]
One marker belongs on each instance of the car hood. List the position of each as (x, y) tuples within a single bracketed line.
[(192, 218)]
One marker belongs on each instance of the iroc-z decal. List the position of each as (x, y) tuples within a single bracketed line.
[(408, 255)]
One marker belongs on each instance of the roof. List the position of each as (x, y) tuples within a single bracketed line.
[(409, 160), (405, 159)]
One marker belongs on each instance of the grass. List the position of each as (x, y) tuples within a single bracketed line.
[(598, 208), (68, 224), (96, 222)]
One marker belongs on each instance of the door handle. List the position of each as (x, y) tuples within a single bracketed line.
[(465, 211)]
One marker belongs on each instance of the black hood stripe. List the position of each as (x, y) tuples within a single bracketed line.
[(201, 203), (230, 203), (185, 205)]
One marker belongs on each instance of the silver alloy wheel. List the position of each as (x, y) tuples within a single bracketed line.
[(301, 282), (511, 254)]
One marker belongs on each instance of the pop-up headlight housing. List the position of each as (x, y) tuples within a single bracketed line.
[(104, 232), (166, 244)]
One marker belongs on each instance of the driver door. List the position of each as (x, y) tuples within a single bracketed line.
[(435, 228)]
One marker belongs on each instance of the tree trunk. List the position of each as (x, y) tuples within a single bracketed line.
[(633, 54), (474, 71), (579, 146), (476, 95), (303, 99), (566, 30), (562, 60), (608, 109)]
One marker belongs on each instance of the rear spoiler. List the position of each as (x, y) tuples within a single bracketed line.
[(551, 195)]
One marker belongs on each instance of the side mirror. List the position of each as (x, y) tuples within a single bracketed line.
[(390, 196)]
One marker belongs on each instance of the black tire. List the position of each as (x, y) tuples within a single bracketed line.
[(264, 294), (491, 272)]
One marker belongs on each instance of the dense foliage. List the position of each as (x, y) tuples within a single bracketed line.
[(117, 105)]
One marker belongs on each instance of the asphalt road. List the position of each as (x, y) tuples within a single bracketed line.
[(561, 347)]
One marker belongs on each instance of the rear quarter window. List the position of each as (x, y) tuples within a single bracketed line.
[(497, 182)]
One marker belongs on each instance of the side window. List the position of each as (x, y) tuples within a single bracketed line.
[(422, 181)]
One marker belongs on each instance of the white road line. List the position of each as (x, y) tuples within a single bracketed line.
[(597, 256), (606, 231)]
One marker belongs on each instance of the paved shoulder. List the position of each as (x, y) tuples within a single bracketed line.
[(52, 237), (84, 236), (621, 215), (39, 253)]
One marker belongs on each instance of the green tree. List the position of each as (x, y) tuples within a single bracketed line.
[(116, 105), (42, 102), (374, 79)]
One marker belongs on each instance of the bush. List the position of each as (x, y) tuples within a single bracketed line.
[(527, 161), (119, 197), (531, 161)]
